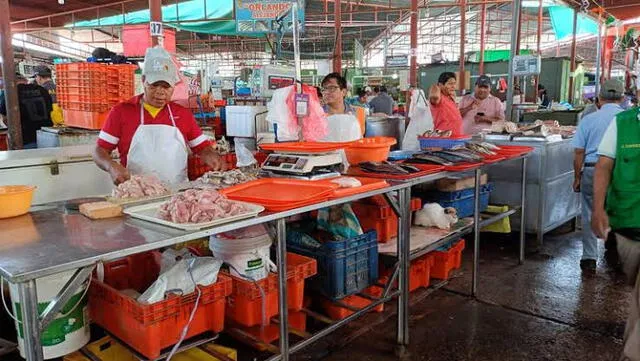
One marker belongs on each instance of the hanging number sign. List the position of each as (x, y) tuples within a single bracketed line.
[(155, 28)]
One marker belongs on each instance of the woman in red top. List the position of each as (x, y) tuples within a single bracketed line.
[(444, 110)]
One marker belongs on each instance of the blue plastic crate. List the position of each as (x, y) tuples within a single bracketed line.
[(461, 200), (344, 267), (445, 143)]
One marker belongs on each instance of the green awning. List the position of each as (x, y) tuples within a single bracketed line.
[(219, 15)]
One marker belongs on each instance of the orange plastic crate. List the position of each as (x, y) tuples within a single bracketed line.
[(244, 306), (419, 273), (84, 119), (150, 328), (336, 312), (447, 261), (375, 214)]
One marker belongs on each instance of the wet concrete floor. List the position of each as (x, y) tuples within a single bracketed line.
[(543, 310)]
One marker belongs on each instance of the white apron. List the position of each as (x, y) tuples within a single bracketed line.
[(160, 150), (342, 128)]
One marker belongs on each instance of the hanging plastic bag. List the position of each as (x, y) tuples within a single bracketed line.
[(244, 156), (420, 120), (314, 124), (340, 221), (181, 278), (279, 115)]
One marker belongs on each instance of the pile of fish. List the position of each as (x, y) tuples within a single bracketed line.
[(388, 168), (219, 180), (198, 206), (140, 186), (471, 152), (539, 128), (437, 133)]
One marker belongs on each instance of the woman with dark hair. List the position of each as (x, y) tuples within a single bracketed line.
[(444, 110)]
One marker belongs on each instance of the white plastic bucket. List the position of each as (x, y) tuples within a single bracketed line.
[(247, 257), (65, 334)]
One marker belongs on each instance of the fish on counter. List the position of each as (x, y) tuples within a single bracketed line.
[(429, 158), (464, 153), (437, 133), (482, 148), (219, 180), (388, 168)]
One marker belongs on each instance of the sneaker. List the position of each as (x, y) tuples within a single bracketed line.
[(588, 265)]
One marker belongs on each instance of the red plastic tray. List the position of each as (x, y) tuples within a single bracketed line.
[(426, 169), (368, 184), (514, 150), (306, 147), (488, 159), (280, 193), (462, 167)]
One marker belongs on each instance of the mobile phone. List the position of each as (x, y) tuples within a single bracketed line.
[(481, 114)]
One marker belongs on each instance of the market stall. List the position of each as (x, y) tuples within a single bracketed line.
[(61, 240), (549, 185)]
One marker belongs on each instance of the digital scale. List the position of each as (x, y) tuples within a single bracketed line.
[(310, 166)]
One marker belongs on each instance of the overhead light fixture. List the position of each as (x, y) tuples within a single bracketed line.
[(61, 2)]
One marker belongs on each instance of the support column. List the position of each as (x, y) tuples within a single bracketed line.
[(8, 76), (599, 57), (573, 56), (463, 37), (483, 29), (515, 21), (337, 56), (413, 52), (155, 10), (538, 41)]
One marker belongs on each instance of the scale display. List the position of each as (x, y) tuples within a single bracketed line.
[(526, 65)]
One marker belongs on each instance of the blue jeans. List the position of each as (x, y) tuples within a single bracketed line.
[(589, 239)]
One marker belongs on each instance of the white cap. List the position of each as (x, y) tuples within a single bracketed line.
[(158, 66), (367, 88)]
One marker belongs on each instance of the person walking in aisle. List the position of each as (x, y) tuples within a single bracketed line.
[(586, 142)]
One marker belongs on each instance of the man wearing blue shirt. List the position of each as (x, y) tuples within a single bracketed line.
[(586, 141)]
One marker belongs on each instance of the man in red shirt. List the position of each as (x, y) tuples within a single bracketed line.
[(152, 133)]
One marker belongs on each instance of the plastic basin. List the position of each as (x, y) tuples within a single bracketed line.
[(374, 149), (15, 200)]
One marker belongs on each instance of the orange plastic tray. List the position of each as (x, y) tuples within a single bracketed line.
[(426, 169), (368, 184), (488, 159), (307, 147), (279, 194)]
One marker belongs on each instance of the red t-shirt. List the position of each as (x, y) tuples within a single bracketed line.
[(124, 119), (446, 116)]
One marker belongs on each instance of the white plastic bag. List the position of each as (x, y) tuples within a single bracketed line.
[(420, 120), (278, 114), (181, 277), (244, 155), (433, 215)]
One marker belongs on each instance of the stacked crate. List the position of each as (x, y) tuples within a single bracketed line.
[(87, 91)]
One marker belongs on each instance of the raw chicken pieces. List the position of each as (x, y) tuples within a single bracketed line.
[(199, 206), (139, 186)]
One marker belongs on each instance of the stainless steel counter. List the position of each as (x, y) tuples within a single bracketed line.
[(51, 240), (550, 196)]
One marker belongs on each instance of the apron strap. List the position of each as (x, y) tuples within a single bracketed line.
[(141, 112), (171, 115)]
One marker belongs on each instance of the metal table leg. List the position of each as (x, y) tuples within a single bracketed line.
[(476, 233), (404, 229), (281, 253), (30, 320), (523, 201)]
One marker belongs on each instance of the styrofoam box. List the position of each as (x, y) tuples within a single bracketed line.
[(241, 120)]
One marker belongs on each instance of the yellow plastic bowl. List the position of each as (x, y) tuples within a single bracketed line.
[(15, 200)]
